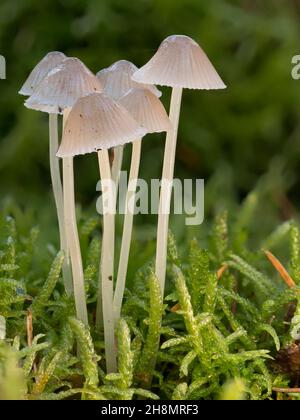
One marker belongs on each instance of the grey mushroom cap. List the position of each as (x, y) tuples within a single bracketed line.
[(117, 80), (147, 110), (97, 122), (180, 62), (41, 70), (63, 86)]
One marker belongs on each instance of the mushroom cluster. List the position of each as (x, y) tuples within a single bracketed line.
[(101, 114)]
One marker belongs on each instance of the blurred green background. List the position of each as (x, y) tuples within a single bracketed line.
[(229, 138)]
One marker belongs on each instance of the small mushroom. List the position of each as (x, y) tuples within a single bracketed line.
[(95, 124), (150, 113), (42, 69), (61, 88), (146, 109), (181, 64), (117, 80), (57, 93)]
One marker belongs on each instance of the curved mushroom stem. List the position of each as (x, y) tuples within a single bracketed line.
[(73, 244), (127, 229), (58, 198), (166, 189), (105, 291)]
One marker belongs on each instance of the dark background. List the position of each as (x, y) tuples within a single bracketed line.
[(230, 138)]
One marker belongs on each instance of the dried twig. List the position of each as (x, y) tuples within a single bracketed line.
[(175, 308), (280, 269), (29, 327), (221, 271), (287, 390)]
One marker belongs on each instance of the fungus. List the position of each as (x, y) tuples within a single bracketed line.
[(150, 113), (95, 124), (41, 70), (57, 93), (181, 64)]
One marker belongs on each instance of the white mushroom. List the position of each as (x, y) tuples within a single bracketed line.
[(95, 124), (41, 70), (181, 64), (58, 92), (150, 113)]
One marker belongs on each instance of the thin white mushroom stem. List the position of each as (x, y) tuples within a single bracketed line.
[(117, 165), (73, 240), (127, 227), (72, 236), (58, 198), (105, 291), (166, 189), (115, 175)]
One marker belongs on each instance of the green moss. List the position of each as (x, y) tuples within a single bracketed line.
[(212, 338)]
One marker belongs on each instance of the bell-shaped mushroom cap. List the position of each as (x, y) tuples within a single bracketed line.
[(63, 86), (48, 63), (97, 122), (44, 108), (146, 109), (117, 80), (180, 62)]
